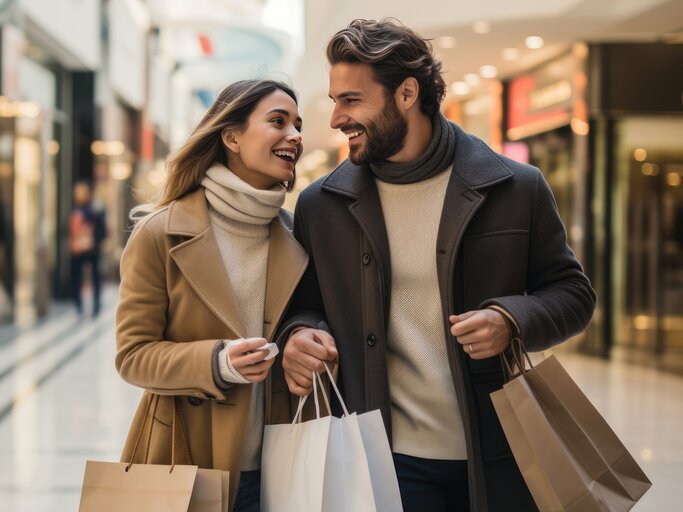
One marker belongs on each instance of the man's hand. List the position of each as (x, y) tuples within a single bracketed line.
[(482, 333), (249, 361), (304, 353)]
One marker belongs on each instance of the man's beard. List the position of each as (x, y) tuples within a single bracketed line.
[(384, 136)]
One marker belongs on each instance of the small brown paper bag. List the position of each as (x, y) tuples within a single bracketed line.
[(128, 487), (108, 487)]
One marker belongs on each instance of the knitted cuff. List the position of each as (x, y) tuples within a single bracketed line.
[(227, 370)]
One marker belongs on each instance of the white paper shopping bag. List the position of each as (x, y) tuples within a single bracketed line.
[(293, 464), (347, 477), (380, 462)]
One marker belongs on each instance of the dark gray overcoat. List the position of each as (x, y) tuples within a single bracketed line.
[(500, 241)]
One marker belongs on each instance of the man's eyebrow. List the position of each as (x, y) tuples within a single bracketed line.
[(283, 112), (346, 95)]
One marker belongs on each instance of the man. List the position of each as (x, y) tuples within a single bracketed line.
[(428, 254)]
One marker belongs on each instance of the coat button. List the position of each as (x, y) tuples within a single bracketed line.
[(366, 259), (372, 339), (193, 400)]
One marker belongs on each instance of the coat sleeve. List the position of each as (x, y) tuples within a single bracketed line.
[(306, 308), (559, 300), (144, 357)]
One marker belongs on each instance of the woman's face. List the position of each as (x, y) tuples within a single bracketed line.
[(265, 152)]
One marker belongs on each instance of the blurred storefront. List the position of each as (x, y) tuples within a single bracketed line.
[(482, 114), (605, 123), (637, 120), (121, 99), (48, 53)]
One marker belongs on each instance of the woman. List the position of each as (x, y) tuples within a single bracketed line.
[(205, 278)]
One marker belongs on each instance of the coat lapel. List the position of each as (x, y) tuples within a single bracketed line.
[(287, 262), (199, 259), (475, 168), (357, 182)]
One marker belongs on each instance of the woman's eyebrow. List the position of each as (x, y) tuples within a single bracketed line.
[(283, 112)]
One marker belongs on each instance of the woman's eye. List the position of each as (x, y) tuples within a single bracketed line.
[(279, 121)]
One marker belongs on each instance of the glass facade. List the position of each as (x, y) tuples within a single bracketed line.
[(648, 240)]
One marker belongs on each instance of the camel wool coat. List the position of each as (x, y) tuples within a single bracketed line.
[(176, 305)]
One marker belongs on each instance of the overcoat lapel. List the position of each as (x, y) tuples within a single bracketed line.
[(357, 182), (475, 168), (287, 262), (199, 259)]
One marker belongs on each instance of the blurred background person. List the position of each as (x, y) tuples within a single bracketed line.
[(87, 231)]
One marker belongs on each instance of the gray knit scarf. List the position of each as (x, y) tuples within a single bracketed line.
[(437, 157)]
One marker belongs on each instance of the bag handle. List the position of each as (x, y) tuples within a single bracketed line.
[(155, 399), (520, 359), (317, 382), (176, 414)]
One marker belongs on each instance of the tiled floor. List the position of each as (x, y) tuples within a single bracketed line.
[(61, 402)]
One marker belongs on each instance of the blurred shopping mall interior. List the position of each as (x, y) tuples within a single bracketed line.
[(589, 91)]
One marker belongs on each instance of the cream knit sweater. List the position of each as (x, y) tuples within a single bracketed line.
[(240, 218), (424, 408)]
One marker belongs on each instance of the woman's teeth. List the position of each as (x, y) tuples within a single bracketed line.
[(287, 155)]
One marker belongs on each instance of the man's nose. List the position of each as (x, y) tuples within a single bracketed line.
[(338, 119)]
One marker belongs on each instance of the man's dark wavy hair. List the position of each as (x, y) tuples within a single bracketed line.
[(394, 52)]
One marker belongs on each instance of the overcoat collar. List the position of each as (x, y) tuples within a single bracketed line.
[(473, 161), (200, 261)]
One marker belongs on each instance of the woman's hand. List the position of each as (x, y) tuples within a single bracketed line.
[(249, 361)]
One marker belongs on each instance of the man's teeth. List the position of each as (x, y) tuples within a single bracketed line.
[(286, 154), (353, 135)]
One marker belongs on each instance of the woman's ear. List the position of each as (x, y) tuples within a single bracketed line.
[(229, 138)]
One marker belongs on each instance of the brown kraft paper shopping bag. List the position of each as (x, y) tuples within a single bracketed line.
[(128, 487), (568, 455), (108, 487)]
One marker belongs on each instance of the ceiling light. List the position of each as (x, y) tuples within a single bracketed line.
[(460, 88), (472, 79), (446, 42), (534, 42), (640, 154), (481, 27), (510, 54), (488, 71)]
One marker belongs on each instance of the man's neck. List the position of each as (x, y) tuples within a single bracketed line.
[(417, 139)]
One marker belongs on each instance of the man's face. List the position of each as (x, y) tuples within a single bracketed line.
[(364, 112)]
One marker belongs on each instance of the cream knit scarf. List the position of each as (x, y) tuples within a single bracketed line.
[(239, 201)]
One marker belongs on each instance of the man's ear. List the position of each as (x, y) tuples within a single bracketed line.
[(229, 138), (407, 94)]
